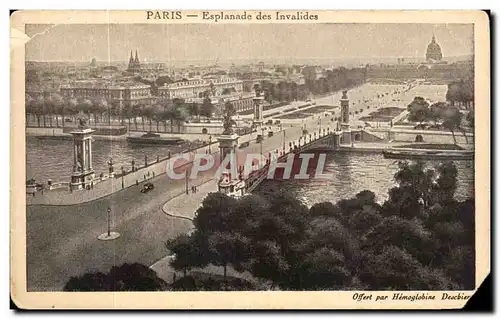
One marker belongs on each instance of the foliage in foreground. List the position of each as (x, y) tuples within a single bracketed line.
[(420, 238), (127, 277)]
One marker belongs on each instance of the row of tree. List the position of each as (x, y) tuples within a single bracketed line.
[(420, 238), (44, 108), (330, 81), (447, 114)]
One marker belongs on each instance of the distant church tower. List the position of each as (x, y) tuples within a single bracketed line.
[(133, 64), (136, 61)]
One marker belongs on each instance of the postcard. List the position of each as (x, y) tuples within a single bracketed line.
[(272, 159)]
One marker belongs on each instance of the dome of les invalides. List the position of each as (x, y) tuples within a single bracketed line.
[(433, 51)]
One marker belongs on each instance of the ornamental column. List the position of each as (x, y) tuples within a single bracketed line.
[(344, 120)]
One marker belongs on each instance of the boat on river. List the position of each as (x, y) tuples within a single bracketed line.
[(459, 155), (153, 138)]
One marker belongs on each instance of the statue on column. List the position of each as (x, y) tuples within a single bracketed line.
[(228, 121), (82, 122), (110, 164)]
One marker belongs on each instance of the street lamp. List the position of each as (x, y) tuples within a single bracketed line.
[(108, 235), (209, 144), (187, 191), (262, 140), (123, 175), (109, 223)]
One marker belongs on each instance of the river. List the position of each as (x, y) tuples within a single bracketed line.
[(355, 172), (352, 172), (53, 158)]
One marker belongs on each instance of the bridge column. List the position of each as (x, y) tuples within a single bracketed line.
[(345, 125), (258, 117), (229, 184), (83, 173)]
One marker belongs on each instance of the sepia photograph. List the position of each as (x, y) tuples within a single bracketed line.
[(253, 151)]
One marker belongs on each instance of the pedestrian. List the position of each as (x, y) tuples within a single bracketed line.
[(92, 185), (154, 174), (137, 182), (144, 176)]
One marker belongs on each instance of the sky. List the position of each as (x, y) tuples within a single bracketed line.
[(227, 42)]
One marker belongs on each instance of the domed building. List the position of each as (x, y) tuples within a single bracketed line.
[(433, 53)]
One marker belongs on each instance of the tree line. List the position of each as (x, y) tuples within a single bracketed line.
[(461, 93), (448, 115), (44, 107), (329, 82)]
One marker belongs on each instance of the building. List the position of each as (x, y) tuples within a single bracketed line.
[(194, 89), (434, 68), (433, 53), (133, 64), (119, 94), (240, 102)]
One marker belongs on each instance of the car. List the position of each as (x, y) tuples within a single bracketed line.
[(421, 127), (244, 144), (147, 187), (270, 134), (68, 120)]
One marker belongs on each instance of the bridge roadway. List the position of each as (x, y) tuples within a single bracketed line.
[(61, 240)]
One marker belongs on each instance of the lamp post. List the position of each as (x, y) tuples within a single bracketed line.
[(109, 222), (187, 191), (262, 140), (108, 235), (284, 140), (209, 144)]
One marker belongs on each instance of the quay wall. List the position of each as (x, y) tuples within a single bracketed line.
[(109, 186)]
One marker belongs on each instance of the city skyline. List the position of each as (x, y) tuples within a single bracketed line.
[(208, 43)]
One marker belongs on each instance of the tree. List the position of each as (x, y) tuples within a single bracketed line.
[(419, 110), (325, 269), (30, 107), (57, 105), (127, 112), (193, 109), (148, 113), (214, 213), (452, 119), (39, 109), (187, 253), (135, 112), (470, 119), (98, 107), (206, 108), (391, 269), (324, 209), (127, 277), (228, 248), (268, 262)]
